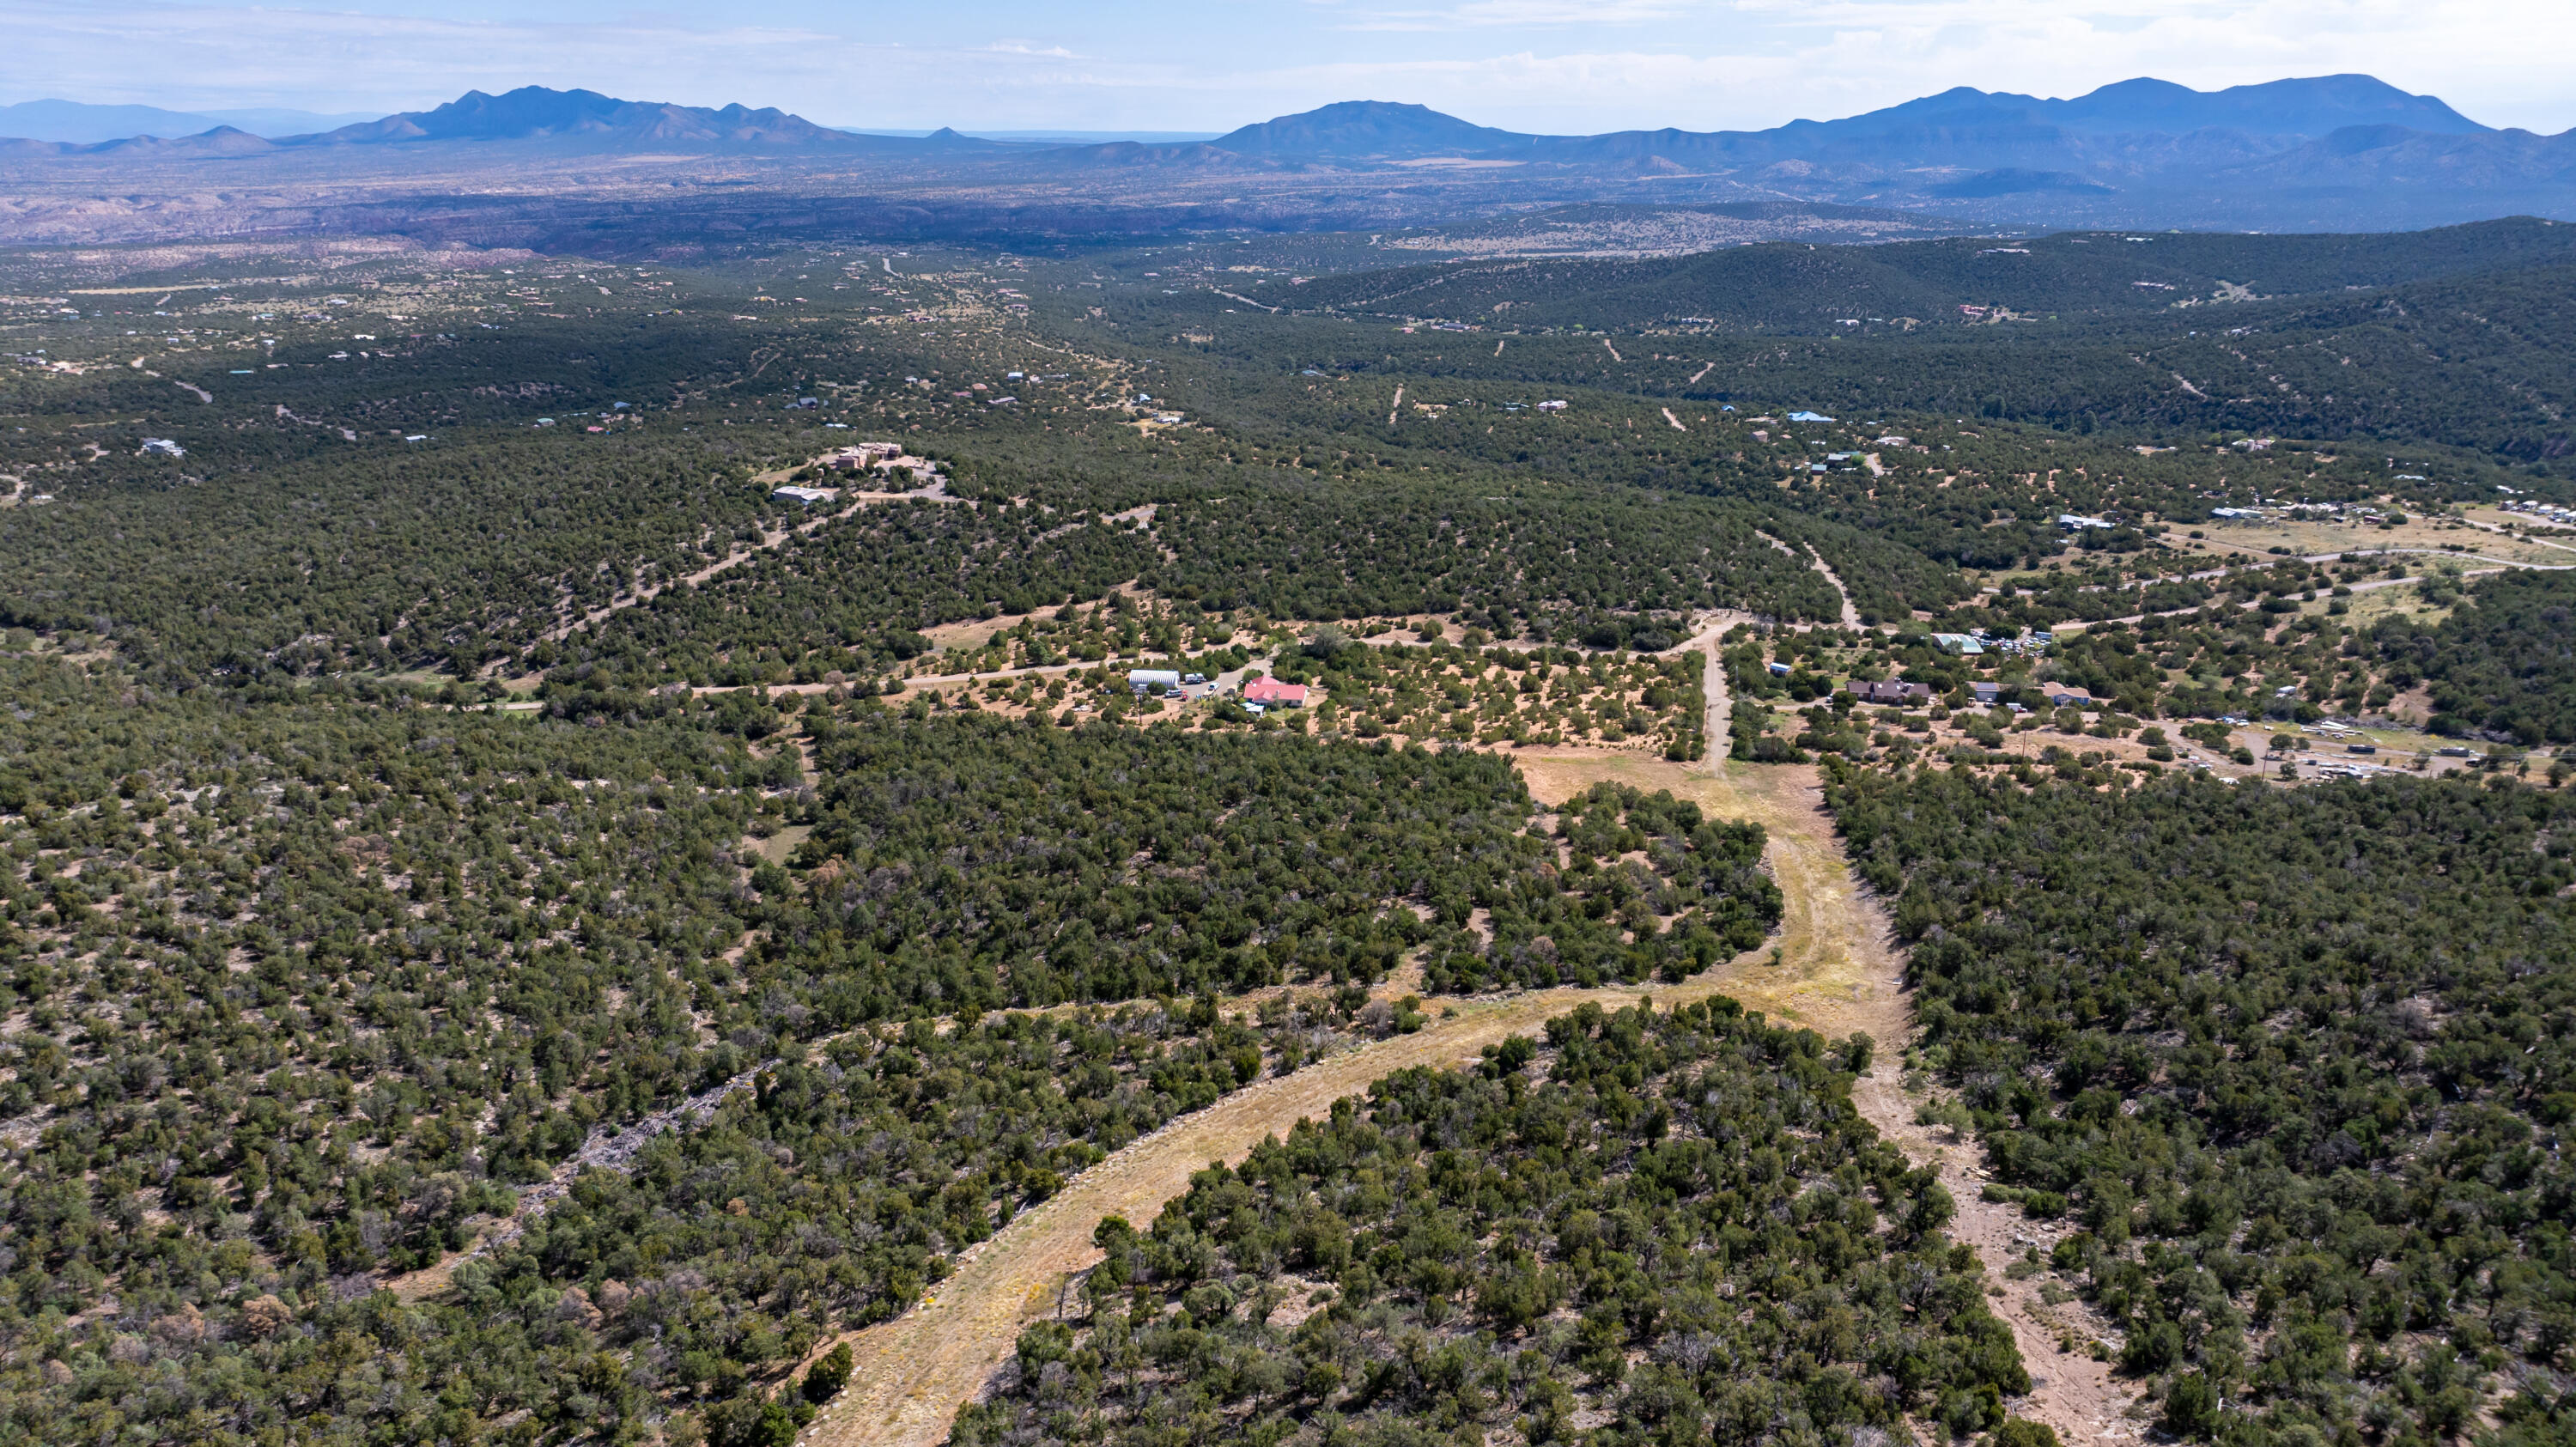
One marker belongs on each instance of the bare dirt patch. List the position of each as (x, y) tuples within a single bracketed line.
[(1835, 971)]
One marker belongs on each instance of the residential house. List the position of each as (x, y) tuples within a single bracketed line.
[(1270, 692)]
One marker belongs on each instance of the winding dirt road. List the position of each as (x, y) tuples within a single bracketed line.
[(1835, 972), (914, 1372)]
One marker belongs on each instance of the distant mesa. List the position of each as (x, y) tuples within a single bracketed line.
[(1366, 129)]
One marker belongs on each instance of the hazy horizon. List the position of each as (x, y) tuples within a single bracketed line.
[(1551, 66)]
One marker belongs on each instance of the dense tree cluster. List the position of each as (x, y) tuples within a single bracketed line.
[(2297, 1060), (829, 1193), (2503, 661), (415, 556), (968, 858), (849, 596), (852, 596), (1681, 1232)]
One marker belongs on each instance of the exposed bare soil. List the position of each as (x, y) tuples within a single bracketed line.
[(1835, 972)]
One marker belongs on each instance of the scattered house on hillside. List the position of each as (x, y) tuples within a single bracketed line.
[(2061, 696), (1986, 693), (923, 470), (2075, 522), (1809, 417), (864, 455), (2236, 512), (1889, 690), (164, 446), (1551, 406), (1778, 670), (1958, 643), (1144, 679), (806, 495), (1270, 692)]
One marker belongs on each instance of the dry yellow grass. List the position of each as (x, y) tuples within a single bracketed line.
[(1836, 973), (2420, 535)]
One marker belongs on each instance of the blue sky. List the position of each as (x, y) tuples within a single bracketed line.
[(1544, 65)]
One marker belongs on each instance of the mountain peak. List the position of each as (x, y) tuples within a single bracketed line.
[(585, 117), (1371, 128), (2309, 106)]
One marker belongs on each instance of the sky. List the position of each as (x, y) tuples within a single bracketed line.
[(1557, 66)]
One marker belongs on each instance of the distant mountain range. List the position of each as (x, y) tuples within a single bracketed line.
[(1961, 117), (2343, 152), (564, 119)]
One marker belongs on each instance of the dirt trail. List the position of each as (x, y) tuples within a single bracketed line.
[(1839, 972), (913, 1373), (859, 501), (1851, 615), (1836, 972)]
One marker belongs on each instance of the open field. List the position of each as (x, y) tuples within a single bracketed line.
[(2414, 541)]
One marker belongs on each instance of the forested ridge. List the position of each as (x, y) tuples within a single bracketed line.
[(2452, 336), (1797, 287), (2296, 1060)]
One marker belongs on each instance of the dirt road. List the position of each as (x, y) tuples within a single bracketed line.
[(1835, 972), (858, 502), (913, 1373)]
